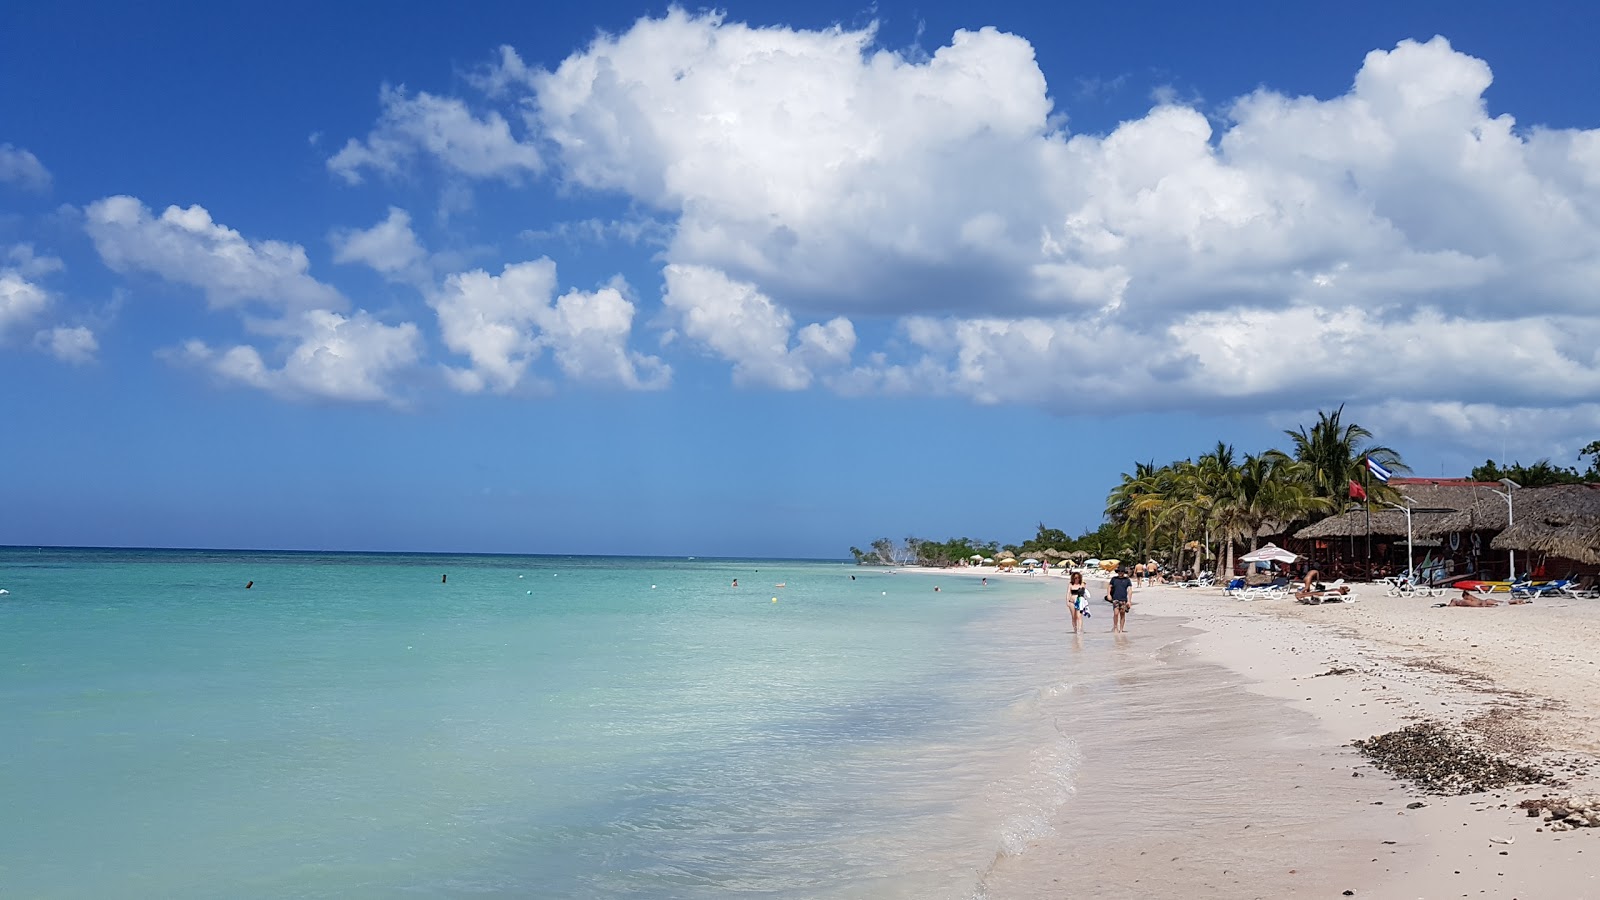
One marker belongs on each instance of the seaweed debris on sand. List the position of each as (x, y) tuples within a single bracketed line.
[(1442, 761), (1565, 813)]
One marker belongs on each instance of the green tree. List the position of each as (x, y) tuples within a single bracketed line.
[(1539, 474), (883, 551), (1274, 487), (1135, 504), (1334, 453), (1591, 450)]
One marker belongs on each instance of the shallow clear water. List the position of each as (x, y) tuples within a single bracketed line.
[(536, 726)]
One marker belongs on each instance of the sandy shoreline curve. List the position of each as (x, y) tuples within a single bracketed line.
[(1522, 682)]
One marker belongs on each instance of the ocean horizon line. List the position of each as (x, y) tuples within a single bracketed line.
[(441, 553)]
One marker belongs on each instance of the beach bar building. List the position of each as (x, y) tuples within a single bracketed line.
[(1338, 544), (1549, 532)]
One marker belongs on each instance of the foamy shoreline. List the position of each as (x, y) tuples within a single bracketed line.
[(1522, 678)]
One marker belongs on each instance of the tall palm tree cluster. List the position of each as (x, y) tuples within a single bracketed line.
[(1198, 509)]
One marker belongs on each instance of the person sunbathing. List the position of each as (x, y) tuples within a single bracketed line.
[(1319, 594), (1480, 601)]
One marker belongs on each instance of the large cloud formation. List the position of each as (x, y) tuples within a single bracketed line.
[(1281, 251)]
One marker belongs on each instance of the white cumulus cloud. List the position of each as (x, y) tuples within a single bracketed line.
[(20, 300), (390, 246), (737, 322), (21, 168), (444, 129), (1289, 244), (325, 356), (1255, 251), (315, 349), (502, 323), (185, 246), (75, 345)]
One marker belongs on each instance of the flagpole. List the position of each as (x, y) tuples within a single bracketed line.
[(1367, 489)]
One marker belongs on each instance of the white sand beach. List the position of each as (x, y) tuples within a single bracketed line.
[(1258, 791), (1523, 679)]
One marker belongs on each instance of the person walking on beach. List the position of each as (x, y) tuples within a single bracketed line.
[(1119, 593), (1077, 601)]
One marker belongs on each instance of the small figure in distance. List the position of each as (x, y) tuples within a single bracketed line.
[(444, 579), (736, 582), (249, 584)]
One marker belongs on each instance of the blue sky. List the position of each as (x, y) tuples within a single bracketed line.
[(772, 280)]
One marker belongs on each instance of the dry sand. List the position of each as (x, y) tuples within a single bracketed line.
[(1522, 680)]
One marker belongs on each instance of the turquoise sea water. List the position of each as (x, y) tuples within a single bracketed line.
[(537, 726)]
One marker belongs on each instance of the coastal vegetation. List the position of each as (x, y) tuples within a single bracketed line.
[(1543, 472), (1208, 507), (1199, 509), (1204, 510)]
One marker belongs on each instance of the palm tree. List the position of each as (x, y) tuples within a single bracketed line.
[(1334, 453), (1186, 513), (1135, 504), (1219, 491), (1273, 487)]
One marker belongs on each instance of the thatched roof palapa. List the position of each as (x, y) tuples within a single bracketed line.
[(1390, 522), (1556, 505), (1578, 539)]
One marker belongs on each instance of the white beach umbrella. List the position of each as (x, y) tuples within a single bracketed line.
[(1270, 553)]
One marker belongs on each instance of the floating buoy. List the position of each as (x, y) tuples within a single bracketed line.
[(652, 587), (774, 599)]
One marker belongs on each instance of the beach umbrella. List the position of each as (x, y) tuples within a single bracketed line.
[(1270, 553), (1110, 564), (976, 557), (988, 559), (1008, 561), (1030, 561)]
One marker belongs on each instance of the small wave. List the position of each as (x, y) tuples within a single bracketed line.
[(1049, 782)]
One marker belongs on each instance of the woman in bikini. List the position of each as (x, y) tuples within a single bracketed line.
[(1077, 601)]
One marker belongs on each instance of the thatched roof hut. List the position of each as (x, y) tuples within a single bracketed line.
[(1577, 539), (1555, 505), (1424, 493)]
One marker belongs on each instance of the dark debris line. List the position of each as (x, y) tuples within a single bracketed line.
[(1441, 761)]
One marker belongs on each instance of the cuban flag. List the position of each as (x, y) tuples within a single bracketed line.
[(1378, 471)]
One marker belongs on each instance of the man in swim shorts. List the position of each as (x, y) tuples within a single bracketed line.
[(1119, 593)]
